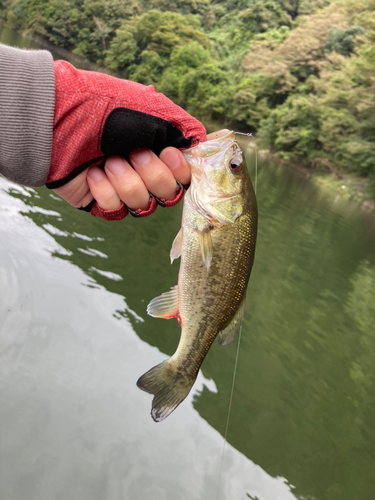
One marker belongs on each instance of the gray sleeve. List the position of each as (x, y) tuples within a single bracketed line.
[(27, 103)]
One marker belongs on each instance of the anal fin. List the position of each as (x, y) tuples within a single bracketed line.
[(165, 306), (231, 331)]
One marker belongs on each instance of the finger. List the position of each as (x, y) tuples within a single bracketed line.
[(157, 177), (102, 190), (86, 200), (127, 183), (177, 164), (76, 192)]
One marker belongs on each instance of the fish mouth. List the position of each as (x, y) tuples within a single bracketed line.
[(219, 134), (216, 143)]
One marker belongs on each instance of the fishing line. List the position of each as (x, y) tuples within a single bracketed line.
[(238, 347), (256, 160), (229, 409), (256, 169)]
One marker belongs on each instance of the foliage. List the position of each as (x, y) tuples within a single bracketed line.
[(145, 46), (343, 41), (100, 20), (326, 75), (294, 127), (299, 73), (58, 21), (182, 6)]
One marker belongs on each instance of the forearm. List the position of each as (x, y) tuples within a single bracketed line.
[(27, 102)]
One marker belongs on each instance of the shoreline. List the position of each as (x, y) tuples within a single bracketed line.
[(349, 186)]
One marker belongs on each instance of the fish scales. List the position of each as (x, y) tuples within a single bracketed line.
[(217, 245), (211, 300)]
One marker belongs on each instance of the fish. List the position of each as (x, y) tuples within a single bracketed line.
[(216, 244)]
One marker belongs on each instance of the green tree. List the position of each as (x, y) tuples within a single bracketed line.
[(294, 127), (159, 32), (342, 41), (182, 6), (58, 21), (183, 59), (101, 19), (123, 48), (149, 68)]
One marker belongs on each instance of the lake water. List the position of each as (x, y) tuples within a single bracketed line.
[(75, 337)]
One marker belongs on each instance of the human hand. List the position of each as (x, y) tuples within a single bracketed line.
[(99, 118), (127, 183)]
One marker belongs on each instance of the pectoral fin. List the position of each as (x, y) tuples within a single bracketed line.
[(176, 249), (231, 331), (165, 306), (205, 243)]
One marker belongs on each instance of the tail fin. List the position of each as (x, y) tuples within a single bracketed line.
[(168, 386)]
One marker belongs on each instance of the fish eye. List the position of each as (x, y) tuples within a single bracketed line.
[(234, 166)]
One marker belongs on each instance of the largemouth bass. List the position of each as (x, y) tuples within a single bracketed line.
[(217, 244)]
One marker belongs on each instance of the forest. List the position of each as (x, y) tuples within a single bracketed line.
[(300, 74)]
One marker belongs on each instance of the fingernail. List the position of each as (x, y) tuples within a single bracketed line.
[(115, 165), (171, 158), (96, 174), (141, 156)]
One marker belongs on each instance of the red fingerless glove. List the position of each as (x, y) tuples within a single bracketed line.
[(98, 116)]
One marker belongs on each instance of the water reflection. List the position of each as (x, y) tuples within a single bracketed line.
[(296, 402), (73, 424)]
